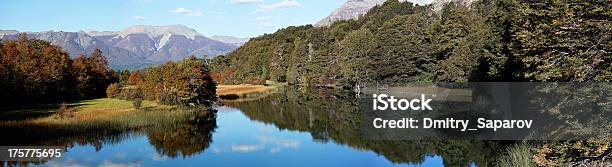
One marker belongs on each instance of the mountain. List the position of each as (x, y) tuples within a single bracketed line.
[(229, 39), (76, 43), (157, 31), (136, 46), (94, 33), (352, 9), (7, 32)]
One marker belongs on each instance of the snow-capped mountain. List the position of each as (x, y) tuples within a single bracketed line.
[(136, 46), (157, 31)]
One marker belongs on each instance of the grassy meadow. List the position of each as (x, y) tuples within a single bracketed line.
[(91, 116)]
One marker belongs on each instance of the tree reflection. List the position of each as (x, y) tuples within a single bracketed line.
[(334, 116), (184, 139), (187, 134)]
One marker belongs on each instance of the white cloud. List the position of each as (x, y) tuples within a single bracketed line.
[(246, 1), (71, 162), (156, 157), (194, 12), (278, 5), (279, 142), (107, 163), (138, 17), (265, 21), (246, 147)]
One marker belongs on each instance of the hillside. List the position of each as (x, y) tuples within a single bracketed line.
[(353, 9), (401, 42)]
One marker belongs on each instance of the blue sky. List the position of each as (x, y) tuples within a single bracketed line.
[(241, 18)]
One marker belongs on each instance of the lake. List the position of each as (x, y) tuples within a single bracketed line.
[(289, 128)]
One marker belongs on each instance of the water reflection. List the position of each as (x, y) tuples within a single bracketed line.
[(295, 127), (331, 116), (170, 138), (183, 139)]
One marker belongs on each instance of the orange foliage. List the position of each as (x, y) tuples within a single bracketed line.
[(223, 76)]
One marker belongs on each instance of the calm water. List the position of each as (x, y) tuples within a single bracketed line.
[(294, 127), (290, 128), (237, 141)]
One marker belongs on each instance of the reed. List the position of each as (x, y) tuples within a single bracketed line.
[(99, 115), (517, 155)]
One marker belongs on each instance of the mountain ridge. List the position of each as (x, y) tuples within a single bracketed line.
[(136, 46)]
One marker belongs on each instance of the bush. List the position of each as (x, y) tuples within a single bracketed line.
[(113, 90), (135, 95), (169, 97), (518, 155), (137, 103), (65, 111)]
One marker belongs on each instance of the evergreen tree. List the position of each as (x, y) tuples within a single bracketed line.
[(562, 40)]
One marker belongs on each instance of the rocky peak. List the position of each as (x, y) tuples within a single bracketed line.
[(158, 31), (352, 9)]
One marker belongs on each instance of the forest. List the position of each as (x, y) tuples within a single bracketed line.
[(187, 82), (487, 40), (34, 71)]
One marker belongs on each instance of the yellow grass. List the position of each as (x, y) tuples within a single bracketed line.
[(245, 92), (97, 116), (97, 109), (241, 89)]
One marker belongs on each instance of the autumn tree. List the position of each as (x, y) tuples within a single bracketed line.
[(185, 82), (35, 71)]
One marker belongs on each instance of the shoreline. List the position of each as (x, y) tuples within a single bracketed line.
[(97, 115), (246, 92)]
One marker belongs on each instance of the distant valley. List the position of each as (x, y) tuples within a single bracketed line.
[(138, 46)]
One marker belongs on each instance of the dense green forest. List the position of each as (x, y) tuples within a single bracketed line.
[(35, 71), (489, 40)]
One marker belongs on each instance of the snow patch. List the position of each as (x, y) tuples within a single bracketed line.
[(162, 42), (156, 31)]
